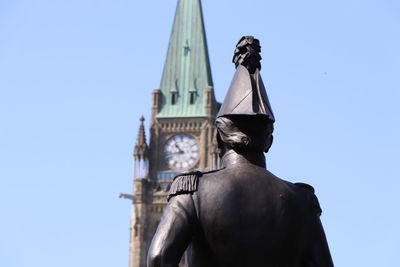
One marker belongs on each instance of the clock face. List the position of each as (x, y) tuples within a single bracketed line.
[(181, 152)]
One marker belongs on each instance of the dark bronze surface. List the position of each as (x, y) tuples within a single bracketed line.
[(241, 215), (246, 94)]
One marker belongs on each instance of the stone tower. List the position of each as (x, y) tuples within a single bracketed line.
[(182, 135)]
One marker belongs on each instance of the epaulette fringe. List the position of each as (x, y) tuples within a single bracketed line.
[(184, 184)]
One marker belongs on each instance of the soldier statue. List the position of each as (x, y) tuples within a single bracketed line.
[(241, 215)]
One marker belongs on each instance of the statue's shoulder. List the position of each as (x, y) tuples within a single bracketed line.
[(311, 196), (306, 187), (186, 183)]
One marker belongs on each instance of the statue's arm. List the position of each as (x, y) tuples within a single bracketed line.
[(173, 234), (319, 255)]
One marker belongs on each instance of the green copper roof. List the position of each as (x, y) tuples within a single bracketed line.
[(187, 68)]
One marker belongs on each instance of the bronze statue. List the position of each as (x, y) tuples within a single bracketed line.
[(241, 215)]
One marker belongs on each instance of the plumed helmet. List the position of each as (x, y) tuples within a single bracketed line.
[(246, 94)]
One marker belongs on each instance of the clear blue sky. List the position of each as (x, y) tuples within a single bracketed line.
[(76, 75)]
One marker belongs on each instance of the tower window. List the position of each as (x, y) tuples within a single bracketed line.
[(174, 97), (192, 98)]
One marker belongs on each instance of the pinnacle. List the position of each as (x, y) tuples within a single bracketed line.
[(141, 148)]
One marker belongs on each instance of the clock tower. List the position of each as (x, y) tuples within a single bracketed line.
[(182, 133)]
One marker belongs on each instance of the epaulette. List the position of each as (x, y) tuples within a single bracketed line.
[(185, 183), (312, 197), (306, 187)]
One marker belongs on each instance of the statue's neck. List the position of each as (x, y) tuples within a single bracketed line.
[(231, 157)]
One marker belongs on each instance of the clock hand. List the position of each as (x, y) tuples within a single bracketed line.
[(172, 154), (180, 150)]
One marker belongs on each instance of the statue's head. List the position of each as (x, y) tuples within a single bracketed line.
[(245, 119), (244, 133)]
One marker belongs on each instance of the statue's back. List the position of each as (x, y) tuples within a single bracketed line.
[(249, 217)]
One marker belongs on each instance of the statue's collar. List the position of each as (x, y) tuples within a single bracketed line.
[(231, 157)]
